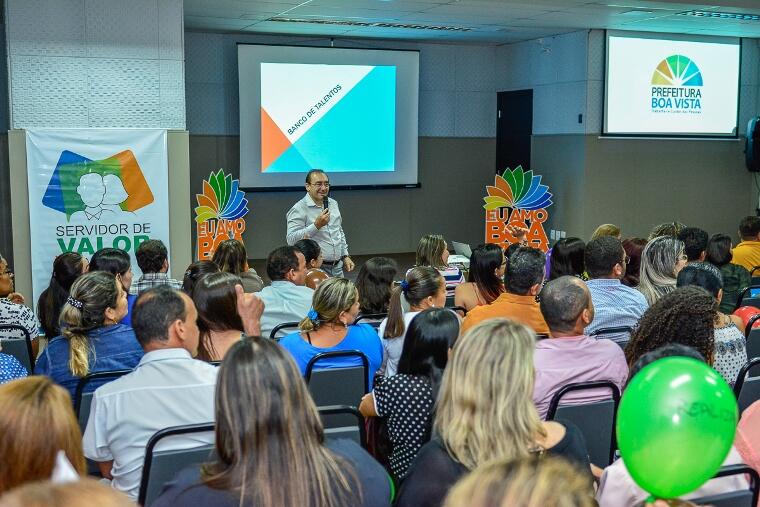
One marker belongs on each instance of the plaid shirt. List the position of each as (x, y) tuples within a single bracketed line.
[(150, 280)]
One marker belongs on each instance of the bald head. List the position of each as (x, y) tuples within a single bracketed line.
[(566, 305)]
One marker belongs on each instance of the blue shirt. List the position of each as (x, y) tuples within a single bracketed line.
[(127, 321), (111, 348), (361, 337), (615, 305), (10, 369)]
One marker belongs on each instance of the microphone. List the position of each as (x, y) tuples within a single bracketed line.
[(325, 202)]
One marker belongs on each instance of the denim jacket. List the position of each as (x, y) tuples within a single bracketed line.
[(111, 348)]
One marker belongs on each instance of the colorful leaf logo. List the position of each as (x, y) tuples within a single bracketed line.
[(221, 199), (517, 189)]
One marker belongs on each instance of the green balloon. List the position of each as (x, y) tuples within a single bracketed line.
[(675, 426)]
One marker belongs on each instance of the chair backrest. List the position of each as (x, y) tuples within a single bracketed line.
[(596, 420), (162, 466), (350, 427), (746, 387), (603, 332), (461, 310), (83, 400), (338, 386), (740, 498), (449, 301), (372, 319), (19, 346), (745, 297), (280, 327)]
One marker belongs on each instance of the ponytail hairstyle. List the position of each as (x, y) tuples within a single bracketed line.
[(333, 297), (67, 267), (91, 295), (420, 282)]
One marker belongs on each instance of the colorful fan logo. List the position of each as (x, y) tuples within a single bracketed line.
[(517, 189), (677, 70), (221, 199)]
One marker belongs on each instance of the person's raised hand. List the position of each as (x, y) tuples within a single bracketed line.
[(517, 231), (249, 307), (348, 264), (15, 297), (323, 219)]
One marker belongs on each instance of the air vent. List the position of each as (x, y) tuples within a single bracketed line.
[(721, 15), (370, 24)]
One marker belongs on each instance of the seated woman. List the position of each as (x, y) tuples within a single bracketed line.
[(736, 278), (329, 326), (567, 259), (26, 406), (219, 323), (432, 251), (374, 283), (195, 272), (407, 398), (67, 267), (231, 257), (13, 311), (10, 368), (313, 256), (423, 288), (85, 492), (730, 352), (633, 248), (661, 260), (270, 445), (607, 230), (485, 281), (92, 338), (118, 263), (482, 416)]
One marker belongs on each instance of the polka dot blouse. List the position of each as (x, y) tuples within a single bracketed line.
[(10, 369)]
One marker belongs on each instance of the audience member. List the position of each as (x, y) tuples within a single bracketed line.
[(686, 316), (219, 323), (153, 260), (485, 280), (730, 352), (67, 267), (567, 258), (10, 368), (406, 399), (118, 263), (748, 436), (735, 277), (12, 309), (271, 449), (374, 283), (286, 299), (168, 388), (747, 253), (633, 248), (661, 260), (523, 280), (195, 272), (231, 257), (532, 481), (38, 429), (92, 339), (422, 288), (666, 229), (569, 356), (328, 326), (85, 492), (615, 305), (313, 255), (432, 251), (607, 230), (695, 243), (485, 413)]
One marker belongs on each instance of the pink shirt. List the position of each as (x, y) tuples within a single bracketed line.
[(562, 361), (748, 435)]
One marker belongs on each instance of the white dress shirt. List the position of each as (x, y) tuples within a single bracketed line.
[(330, 237), (284, 301), (167, 388)]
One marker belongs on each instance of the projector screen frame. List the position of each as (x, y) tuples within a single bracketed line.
[(380, 186), (672, 36)]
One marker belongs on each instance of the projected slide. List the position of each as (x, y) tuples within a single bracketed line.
[(678, 87), (339, 118)]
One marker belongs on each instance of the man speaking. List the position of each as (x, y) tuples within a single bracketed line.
[(317, 217)]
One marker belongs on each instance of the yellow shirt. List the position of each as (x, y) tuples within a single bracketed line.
[(747, 254), (523, 309)]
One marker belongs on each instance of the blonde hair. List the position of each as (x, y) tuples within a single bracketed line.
[(332, 297), (93, 293), (430, 251), (526, 482), (485, 409), (85, 492), (606, 230), (657, 275), (26, 406)]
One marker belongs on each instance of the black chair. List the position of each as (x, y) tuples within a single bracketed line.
[(19, 346), (449, 301), (755, 279), (355, 431), (740, 498), (160, 467), (338, 386), (603, 331), (374, 319), (83, 400), (747, 388), (280, 327), (745, 297), (753, 342), (596, 420)]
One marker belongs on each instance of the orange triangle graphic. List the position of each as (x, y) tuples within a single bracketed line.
[(273, 141)]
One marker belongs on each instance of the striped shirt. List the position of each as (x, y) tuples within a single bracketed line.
[(615, 305)]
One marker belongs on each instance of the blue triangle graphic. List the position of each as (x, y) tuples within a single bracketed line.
[(291, 161)]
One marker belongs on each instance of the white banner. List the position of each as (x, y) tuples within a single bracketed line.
[(91, 189)]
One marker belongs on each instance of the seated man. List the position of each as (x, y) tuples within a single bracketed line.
[(569, 356), (615, 305), (287, 299), (747, 253), (695, 243), (153, 259), (522, 280)]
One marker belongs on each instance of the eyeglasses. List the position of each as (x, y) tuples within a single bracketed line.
[(320, 184)]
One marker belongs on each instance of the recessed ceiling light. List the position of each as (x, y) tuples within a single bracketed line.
[(721, 15)]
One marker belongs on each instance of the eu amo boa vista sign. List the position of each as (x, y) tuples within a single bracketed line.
[(517, 198), (219, 214)]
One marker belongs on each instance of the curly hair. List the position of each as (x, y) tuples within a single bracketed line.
[(686, 316)]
